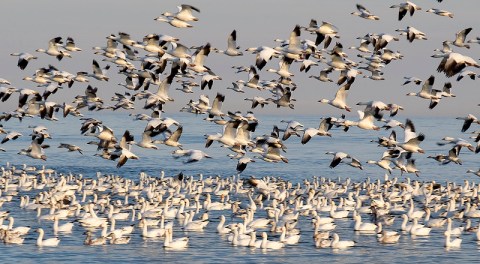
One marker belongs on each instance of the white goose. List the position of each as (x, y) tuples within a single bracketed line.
[(177, 243), (363, 227), (232, 48), (456, 243), (340, 97), (338, 244), (268, 244), (51, 242)]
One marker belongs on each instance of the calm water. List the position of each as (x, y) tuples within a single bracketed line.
[(305, 161)]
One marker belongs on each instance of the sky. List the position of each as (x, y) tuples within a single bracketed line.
[(34, 23)]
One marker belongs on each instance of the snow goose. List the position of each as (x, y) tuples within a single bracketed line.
[(341, 244), (337, 158), (455, 243), (23, 59), (340, 96), (284, 66), (292, 51), (454, 231), (460, 38), (115, 240), (307, 64), (268, 244), (177, 243), (412, 140), (35, 151), (403, 8), (172, 140), (122, 151), (194, 155), (418, 229), (242, 163), (363, 227), (12, 135), (386, 238), (71, 147), (383, 163), (324, 32), (367, 118), (364, 13), (64, 228), (19, 230), (184, 13), (257, 100), (264, 54), (98, 73), (221, 228), (464, 73), (102, 240), (440, 12), (53, 49), (323, 77), (468, 120), (453, 63), (237, 87), (51, 242), (412, 33), (198, 61), (207, 79), (415, 80), (477, 172), (272, 154), (70, 45), (232, 48), (322, 130)]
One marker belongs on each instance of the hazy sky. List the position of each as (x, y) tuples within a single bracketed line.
[(28, 25)]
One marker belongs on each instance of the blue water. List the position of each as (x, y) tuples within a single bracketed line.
[(305, 161)]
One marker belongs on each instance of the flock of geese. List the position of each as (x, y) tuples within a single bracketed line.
[(250, 212), (155, 207)]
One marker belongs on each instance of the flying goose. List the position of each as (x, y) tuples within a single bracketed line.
[(122, 150), (440, 12), (403, 8), (12, 135), (70, 147), (340, 96), (232, 48), (257, 100), (337, 158), (207, 80), (263, 55), (292, 51), (414, 80), (364, 13), (242, 163), (324, 32), (194, 155), (23, 59), (323, 77), (452, 63), (172, 140), (185, 13), (70, 45), (472, 75), (53, 49), (98, 73), (427, 92), (412, 140), (284, 68), (460, 38), (468, 120), (198, 63)]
